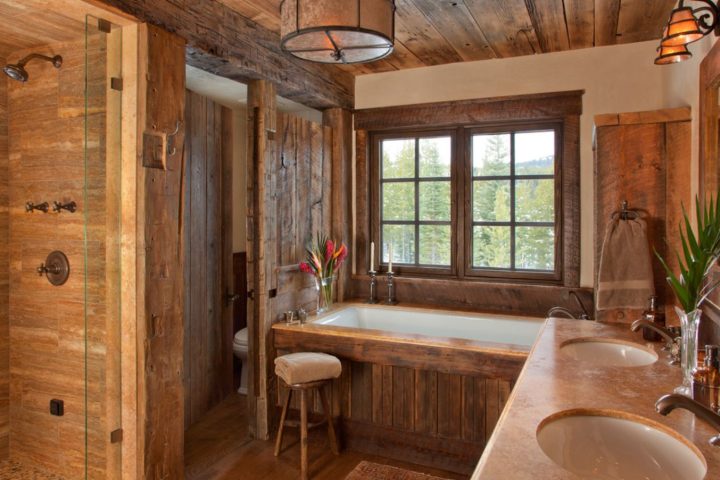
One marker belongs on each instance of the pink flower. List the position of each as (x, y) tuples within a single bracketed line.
[(329, 249), (304, 267)]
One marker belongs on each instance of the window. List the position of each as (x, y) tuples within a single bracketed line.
[(479, 202), (416, 200)]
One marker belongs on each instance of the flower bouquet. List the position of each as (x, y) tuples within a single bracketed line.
[(323, 260)]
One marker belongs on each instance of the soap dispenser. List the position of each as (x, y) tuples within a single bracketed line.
[(655, 315)]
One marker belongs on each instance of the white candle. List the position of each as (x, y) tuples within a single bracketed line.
[(372, 256), (390, 258)]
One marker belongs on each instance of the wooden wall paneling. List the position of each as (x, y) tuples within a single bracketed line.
[(160, 258), (571, 202), (262, 263), (238, 48), (226, 288), (426, 402), (362, 233), (647, 165), (449, 399), (506, 25), (341, 122), (4, 274)]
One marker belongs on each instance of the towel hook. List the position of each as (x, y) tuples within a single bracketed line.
[(171, 140), (625, 213)]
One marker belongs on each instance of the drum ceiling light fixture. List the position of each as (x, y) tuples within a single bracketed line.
[(687, 25), (338, 31)]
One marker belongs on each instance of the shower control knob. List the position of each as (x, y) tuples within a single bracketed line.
[(56, 268)]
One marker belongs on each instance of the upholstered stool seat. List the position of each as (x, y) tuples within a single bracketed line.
[(306, 367), (302, 372)]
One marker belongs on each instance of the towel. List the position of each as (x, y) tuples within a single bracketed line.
[(625, 279)]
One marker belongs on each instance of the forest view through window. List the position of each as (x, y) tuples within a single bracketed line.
[(500, 182)]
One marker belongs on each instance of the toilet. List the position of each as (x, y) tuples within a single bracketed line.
[(240, 349)]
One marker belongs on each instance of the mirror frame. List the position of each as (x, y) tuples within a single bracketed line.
[(709, 122)]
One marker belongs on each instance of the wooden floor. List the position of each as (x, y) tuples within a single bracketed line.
[(218, 447)]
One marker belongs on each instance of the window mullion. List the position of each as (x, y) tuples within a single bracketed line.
[(512, 200), (417, 201)]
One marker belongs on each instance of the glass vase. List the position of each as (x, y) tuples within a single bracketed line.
[(689, 323), (324, 286)]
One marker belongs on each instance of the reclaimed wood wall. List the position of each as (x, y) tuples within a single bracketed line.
[(4, 275), (644, 158), (208, 355), (59, 336)]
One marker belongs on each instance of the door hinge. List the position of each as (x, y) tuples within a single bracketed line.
[(116, 436), (251, 294), (116, 84)]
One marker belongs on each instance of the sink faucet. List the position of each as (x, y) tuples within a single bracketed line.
[(670, 335), (584, 315), (668, 403)]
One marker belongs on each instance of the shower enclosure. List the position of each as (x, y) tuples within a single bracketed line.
[(60, 191)]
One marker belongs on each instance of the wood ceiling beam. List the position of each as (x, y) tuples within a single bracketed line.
[(580, 17), (414, 30), (223, 42), (642, 20), (607, 13), (506, 25), (548, 17)]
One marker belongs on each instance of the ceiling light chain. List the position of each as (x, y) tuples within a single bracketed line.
[(687, 25)]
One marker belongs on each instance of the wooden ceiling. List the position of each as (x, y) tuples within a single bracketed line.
[(26, 24), (434, 32)]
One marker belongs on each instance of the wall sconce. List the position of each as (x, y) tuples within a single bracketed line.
[(687, 25)]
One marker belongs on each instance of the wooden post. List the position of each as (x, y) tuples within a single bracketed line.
[(262, 275), (161, 103), (340, 120)]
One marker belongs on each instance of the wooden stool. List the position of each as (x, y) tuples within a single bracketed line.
[(303, 372)]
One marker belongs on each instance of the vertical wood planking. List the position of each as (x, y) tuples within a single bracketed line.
[(449, 400), (387, 395), (492, 406), (426, 402)]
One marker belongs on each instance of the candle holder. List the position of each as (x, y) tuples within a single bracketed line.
[(391, 300), (372, 298)]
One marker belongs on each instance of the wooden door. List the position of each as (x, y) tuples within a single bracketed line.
[(207, 215)]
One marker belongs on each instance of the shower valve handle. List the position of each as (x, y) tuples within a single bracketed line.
[(53, 269), (70, 206), (43, 207)]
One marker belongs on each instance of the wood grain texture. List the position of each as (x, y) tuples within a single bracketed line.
[(647, 165), (160, 257), (54, 351), (446, 31), (208, 356), (222, 41), (4, 273)]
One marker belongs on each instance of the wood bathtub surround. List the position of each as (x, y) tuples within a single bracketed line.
[(552, 383), (430, 401)]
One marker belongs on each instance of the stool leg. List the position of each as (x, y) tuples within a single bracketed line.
[(331, 429), (303, 435), (286, 405)]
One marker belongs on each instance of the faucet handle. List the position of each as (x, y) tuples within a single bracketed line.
[(302, 315)]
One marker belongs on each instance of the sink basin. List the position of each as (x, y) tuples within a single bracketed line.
[(615, 445), (608, 352)]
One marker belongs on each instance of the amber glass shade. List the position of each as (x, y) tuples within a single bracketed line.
[(338, 31), (682, 28), (672, 54)]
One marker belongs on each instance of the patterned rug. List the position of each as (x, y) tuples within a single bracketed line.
[(15, 471), (375, 471)]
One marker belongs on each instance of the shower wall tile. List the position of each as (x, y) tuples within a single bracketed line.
[(49, 326), (4, 274)]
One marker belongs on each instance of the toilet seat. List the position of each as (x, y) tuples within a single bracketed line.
[(241, 338)]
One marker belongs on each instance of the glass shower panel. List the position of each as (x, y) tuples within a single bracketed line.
[(102, 233)]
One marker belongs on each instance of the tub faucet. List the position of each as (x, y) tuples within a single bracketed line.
[(668, 403)]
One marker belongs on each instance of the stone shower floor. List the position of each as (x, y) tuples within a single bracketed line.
[(15, 471)]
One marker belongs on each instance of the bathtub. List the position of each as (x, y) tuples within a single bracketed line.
[(481, 327)]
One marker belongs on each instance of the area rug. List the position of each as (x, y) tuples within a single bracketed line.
[(375, 471)]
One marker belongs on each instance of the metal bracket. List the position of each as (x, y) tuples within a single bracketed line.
[(116, 436), (116, 84)]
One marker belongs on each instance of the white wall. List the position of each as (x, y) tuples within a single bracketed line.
[(619, 78)]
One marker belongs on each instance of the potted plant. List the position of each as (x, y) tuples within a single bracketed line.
[(700, 252)]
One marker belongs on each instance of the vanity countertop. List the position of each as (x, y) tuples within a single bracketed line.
[(552, 382)]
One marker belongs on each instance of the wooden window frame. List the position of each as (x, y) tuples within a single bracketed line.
[(561, 108), (376, 189)]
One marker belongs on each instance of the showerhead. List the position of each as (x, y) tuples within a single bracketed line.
[(17, 71)]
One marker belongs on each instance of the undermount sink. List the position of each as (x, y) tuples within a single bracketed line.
[(609, 445), (608, 352)]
